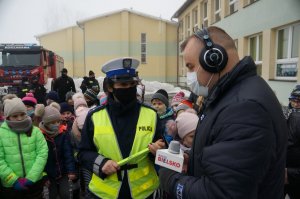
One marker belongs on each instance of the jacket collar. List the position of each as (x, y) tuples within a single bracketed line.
[(244, 69)]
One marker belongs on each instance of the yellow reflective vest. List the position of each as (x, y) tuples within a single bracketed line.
[(143, 180)]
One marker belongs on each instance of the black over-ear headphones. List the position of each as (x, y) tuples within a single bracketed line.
[(213, 57)]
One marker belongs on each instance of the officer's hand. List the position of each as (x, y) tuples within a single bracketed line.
[(110, 167), (153, 147)]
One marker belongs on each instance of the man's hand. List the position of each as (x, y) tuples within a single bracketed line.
[(71, 176), (153, 147), (110, 167)]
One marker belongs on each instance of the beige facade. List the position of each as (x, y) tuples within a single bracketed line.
[(260, 29), (123, 33)]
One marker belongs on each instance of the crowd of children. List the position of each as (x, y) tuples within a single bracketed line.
[(39, 142)]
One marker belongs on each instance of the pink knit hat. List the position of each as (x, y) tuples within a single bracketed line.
[(29, 100), (186, 123), (177, 98)]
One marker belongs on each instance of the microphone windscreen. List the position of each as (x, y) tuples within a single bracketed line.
[(174, 147)]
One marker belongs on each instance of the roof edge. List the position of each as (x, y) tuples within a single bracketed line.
[(182, 8), (81, 22)]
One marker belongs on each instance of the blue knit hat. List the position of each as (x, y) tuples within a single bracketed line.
[(64, 107), (53, 96)]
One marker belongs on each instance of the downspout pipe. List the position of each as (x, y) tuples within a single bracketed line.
[(81, 26), (177, 53)]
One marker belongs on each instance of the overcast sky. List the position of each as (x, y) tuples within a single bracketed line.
[(21, 20)]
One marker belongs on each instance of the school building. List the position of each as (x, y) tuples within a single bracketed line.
[(124, 33), (267, 30)]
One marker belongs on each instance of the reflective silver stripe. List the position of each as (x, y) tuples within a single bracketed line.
[(97, 164)]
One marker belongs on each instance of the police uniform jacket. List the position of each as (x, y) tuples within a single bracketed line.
[(124, 120), (239, 145)]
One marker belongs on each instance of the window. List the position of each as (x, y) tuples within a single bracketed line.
[(287, 52), (205, 17), (236, 43), (143, 48), (195, 18), (181, 30), (255, 51), (217, 10), (187, 26), (249, 2), (233, 6)]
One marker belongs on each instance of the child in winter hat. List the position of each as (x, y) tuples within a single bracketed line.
[(294, 99), (91, 98), (69, 98), (50, 116), (30, 103), (67, 116), (160, 101), (60, 166), (184, 127), (17, 132), (52, 96), (15, 114), (183, 106), (81, 110), (177, 99)]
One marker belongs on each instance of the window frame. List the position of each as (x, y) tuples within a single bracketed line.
[(195, 18), (233, 2), (257, 50), (217, 12), (289, 60), (144, 43), (205, 18), (187, 20)]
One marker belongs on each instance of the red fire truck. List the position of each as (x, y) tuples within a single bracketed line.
[(26, 60)]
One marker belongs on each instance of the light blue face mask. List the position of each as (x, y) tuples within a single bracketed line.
[(30, 112), (53, 127), (195, 86)]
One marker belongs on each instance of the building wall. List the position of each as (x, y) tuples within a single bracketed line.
[(67, 43), (118, 35), (263, 17)]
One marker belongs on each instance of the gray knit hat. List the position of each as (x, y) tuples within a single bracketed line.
[(14, 105), (49, 113), (162, 95)]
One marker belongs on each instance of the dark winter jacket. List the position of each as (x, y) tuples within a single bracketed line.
[(169, 115), (39, 92), (62, 85), (60, 156), (90, 83), (124, 120), (293, 150), (239, 145)]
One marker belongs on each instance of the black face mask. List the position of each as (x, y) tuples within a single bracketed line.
[(125, 95)]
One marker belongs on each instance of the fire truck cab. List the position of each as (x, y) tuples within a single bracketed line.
[(26, 60)]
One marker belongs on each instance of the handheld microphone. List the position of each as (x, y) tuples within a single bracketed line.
[(171, 158)]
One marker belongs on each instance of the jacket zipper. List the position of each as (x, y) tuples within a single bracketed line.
[(21, 154)]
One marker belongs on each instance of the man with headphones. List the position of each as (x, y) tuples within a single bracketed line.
[(240, 141)]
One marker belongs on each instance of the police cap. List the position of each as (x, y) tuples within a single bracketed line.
[(121, 69)]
